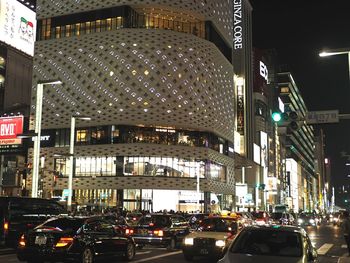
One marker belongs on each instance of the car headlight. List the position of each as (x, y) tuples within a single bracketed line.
[(300, 221), (335, 219), (312, 221), (220, 243), (189, 241)]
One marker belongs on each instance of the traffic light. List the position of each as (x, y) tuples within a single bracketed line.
[(260, 186), (287, 119)]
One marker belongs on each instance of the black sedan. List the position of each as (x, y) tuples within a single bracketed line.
[(163, 230), (80, 239), (282, 218)]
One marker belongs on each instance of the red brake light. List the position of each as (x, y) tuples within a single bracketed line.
[(134, 218), (64, 241), (129, 231), (151, 224), (22, 241), (159, 233)]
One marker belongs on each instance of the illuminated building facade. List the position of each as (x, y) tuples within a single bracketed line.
[(156, 79)]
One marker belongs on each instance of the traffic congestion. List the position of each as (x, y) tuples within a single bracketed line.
[(44, 231)]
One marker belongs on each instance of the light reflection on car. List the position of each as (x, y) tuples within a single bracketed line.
[(212, 238), (287, 244)]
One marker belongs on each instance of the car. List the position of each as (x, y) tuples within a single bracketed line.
[(261, 217), (273, 244), (164, 230), (245, 218), (18, 214), (212, 238), (195, 219), (307, 219), (133, 217), (282, 218), (74, 238)]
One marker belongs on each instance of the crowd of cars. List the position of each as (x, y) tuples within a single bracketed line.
[(43, 232)]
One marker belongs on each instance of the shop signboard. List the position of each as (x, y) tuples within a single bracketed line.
[(17, 26), (10, 127)]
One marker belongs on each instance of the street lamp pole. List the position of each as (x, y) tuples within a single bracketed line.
[(71, 158), (36, 150), (71, 163), (339, 51)]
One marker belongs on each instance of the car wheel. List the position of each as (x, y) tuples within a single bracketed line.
[(172, 244), (87, 256), (188, 257), (130, 252)]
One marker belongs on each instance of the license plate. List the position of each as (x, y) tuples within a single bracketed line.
[(204, 251), (40, 240)]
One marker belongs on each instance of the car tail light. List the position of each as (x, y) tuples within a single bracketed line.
[(6, 227), (22, 241), (134, 218), (151, 224), (159, 233), (64, 241), (129, 231)]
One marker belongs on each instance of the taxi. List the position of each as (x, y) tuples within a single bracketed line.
[(212, 237)]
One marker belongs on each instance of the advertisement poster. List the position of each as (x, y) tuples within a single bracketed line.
[(17, 26), (9, 128)]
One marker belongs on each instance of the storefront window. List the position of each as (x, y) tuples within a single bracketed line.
[(82, 136)]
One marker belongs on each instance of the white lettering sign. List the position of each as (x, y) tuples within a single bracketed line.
[(43, 138), (263, 71), (237, 20), (7, 129)]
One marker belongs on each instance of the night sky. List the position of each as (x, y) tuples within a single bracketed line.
[(299, 30)]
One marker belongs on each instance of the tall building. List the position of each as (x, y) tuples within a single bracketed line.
[(156, 79), (300, 178), (17, 37)]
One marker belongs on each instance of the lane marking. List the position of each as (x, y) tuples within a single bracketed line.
[(344, 246), (324, 248), (159, 256), (143, 252)]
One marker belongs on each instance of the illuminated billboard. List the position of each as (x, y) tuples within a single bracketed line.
[(17, 26), (10, 127)]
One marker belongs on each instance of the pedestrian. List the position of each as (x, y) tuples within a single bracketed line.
[(346, 229)]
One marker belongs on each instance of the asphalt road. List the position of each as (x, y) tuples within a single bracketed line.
[(327, 239)]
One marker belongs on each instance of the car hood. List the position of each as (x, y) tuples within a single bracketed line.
[(244, 258), (208, 234)]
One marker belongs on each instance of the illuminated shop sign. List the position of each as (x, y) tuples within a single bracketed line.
[(238, 27), (264, 149), (240, 105), (9, 128), (263, 70), (17, 26), (256, 153)]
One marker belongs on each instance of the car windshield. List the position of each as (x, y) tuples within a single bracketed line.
[(259, 215), (155, 220), (276, 215), (63, 224), (269, 243), (23, 211), (306, 215), (218, 225)]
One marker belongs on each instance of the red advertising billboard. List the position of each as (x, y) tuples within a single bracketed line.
[(9, 128)]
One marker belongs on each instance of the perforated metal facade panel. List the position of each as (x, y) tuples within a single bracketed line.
[(137, 76), (148, 77), (218, 11)]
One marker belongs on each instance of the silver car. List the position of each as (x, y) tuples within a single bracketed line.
[(287, 244)]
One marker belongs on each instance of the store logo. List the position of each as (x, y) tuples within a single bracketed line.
[(7, 129), (263, 71), (26, 30), (237, 29)]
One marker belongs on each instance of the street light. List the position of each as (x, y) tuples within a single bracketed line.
[(36, 150), (71, 157), (338, 51)]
